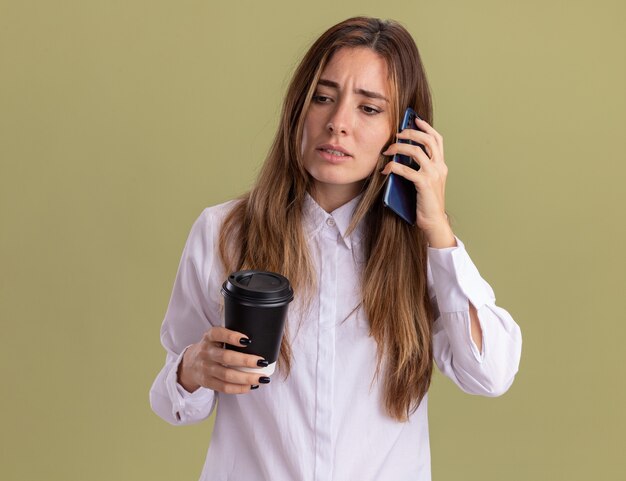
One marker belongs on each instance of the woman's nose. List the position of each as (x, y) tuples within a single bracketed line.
[(340, 121)]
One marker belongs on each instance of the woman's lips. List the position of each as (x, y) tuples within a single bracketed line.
[(335, 159), (337, 147), (333, 153)]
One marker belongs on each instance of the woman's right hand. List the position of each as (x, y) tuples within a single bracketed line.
[(204, 364)]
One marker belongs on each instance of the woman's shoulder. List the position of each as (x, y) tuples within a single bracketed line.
[(207, 226), (204, 236), (215, 214)]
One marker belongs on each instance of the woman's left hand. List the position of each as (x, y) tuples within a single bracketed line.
[(429, 180)]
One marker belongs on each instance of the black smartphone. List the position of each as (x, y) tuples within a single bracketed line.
[(400, 195)]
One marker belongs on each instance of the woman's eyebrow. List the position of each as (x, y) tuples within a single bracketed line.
[(366, 93)]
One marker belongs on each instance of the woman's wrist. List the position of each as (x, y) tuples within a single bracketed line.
[(441, 236), (182, 375)]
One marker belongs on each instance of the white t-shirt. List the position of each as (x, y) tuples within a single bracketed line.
[(327, 421)]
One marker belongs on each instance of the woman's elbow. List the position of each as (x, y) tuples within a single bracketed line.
[(162, 408), (497, 388), (503, 374)]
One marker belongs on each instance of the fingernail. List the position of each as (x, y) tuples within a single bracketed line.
[(244, 341), (254, 386), (262, 363), (264, 380)]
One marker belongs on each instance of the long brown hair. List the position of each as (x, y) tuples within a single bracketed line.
[(266, 222)]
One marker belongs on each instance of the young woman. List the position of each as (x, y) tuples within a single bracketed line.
[(377, 300)]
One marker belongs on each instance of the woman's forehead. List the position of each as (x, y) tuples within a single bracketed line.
[(360, 66)]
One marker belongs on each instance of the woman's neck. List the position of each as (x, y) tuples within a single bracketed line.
[(331, 197)]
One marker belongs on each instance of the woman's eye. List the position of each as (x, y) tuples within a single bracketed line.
[(370, 110), (321, 99)]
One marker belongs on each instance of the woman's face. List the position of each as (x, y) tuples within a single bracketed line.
[(347, 125)]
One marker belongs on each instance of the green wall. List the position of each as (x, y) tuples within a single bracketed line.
[(121, 120)]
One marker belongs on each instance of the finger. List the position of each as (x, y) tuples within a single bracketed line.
[(426, 127), (222, 335), (425, 139), (228, 388), (234, 358), (402, 170), (228, 375), (410, 150)]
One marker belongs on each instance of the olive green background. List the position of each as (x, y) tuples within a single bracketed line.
[(121, 120)]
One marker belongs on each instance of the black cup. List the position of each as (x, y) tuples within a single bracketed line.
[(255, 304)]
